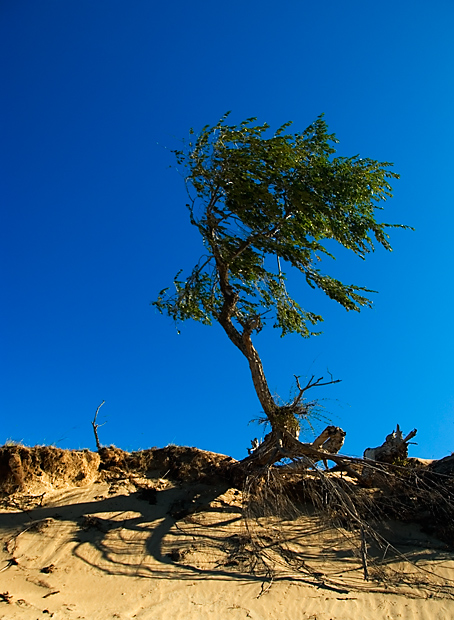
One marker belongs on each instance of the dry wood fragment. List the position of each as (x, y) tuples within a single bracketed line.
[(394, 447)]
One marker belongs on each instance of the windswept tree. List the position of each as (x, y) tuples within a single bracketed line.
[(265, 204)]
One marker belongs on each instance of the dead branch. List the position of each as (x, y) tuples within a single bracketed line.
[(51, 593), (410, 435), (364, 553), (310, 384), (96, 426), (263, 589), (330, 440)]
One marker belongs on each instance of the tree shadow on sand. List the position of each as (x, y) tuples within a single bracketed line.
[(128, 535), (198, 531)]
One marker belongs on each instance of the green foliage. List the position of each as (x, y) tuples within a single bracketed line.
[(264, 201)]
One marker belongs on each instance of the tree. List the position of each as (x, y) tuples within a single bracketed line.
[(263, 204)]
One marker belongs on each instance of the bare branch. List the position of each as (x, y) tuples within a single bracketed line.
[(96, 426), (364, 553), (410, 435), (310, 384)]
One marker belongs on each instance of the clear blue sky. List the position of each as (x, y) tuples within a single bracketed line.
[(94, 96)]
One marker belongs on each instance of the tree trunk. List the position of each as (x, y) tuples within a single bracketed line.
[(258, 378), (281, 418)]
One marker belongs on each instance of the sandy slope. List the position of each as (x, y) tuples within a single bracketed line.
[(109, 550)]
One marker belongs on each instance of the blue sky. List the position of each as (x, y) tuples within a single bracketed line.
[(94, 97)]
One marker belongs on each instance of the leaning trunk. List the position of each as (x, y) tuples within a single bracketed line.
[(259, 380), (280, 418)]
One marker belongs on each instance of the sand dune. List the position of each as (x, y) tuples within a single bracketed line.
[(140, 546)]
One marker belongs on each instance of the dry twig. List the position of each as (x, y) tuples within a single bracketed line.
[(96, 426)]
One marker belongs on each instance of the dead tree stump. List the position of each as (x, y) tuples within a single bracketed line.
[(394, 448)]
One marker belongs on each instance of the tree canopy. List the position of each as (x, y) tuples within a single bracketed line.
[(264, 204)]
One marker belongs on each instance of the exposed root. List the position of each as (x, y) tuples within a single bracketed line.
[(290, 515)]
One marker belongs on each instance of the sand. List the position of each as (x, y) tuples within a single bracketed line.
[(159, 534), (113, 549)]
